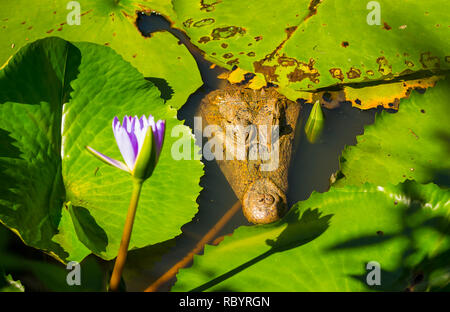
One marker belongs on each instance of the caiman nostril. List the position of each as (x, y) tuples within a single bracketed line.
[(264, 202), (269, 199)]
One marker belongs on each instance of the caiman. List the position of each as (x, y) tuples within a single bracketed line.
[(268, 119)]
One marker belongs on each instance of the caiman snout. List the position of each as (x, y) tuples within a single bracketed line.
[(264, 202)]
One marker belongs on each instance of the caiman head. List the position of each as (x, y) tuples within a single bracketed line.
[(255, 130)]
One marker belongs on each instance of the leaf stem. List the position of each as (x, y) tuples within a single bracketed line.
[(123, 249)]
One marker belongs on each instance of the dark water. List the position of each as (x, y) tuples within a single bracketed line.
[(311, 169)]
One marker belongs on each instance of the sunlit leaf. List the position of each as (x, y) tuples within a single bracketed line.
[(326, 242), (412, 143), (56, 97), (386, 95), (307, 45), (106, 22)]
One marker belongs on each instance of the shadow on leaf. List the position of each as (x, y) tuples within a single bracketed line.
[(299, 231), (87, 229), (414, 268), (33, 88), (163, 87)]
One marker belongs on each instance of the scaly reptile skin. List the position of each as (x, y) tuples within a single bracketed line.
[(261, 192)]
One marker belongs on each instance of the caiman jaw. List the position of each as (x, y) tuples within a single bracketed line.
[(264, 202)]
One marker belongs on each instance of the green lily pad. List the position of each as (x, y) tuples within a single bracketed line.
[(56, 97), (106, 22), (412, 143), (337, 45), (326, 242), (238, 32), (306, 45)]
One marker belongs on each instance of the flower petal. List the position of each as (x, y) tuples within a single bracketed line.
[(145, 121), (142, 121), (140, 133), (108, 160), (134, 123), (125, 147), (115, 122), (131, 131), (160, 131), (130, 124), (125, 121), (151, 122)]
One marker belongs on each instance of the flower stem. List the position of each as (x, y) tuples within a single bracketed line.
[(123, 249)]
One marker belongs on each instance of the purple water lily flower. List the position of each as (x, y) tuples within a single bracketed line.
[(140, 142)]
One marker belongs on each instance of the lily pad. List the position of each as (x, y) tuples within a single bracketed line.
[(387, 95), (307, 45), (238, 32), (412, 143), (56, 97), (106, 22), (326, 243), (412, 36)]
